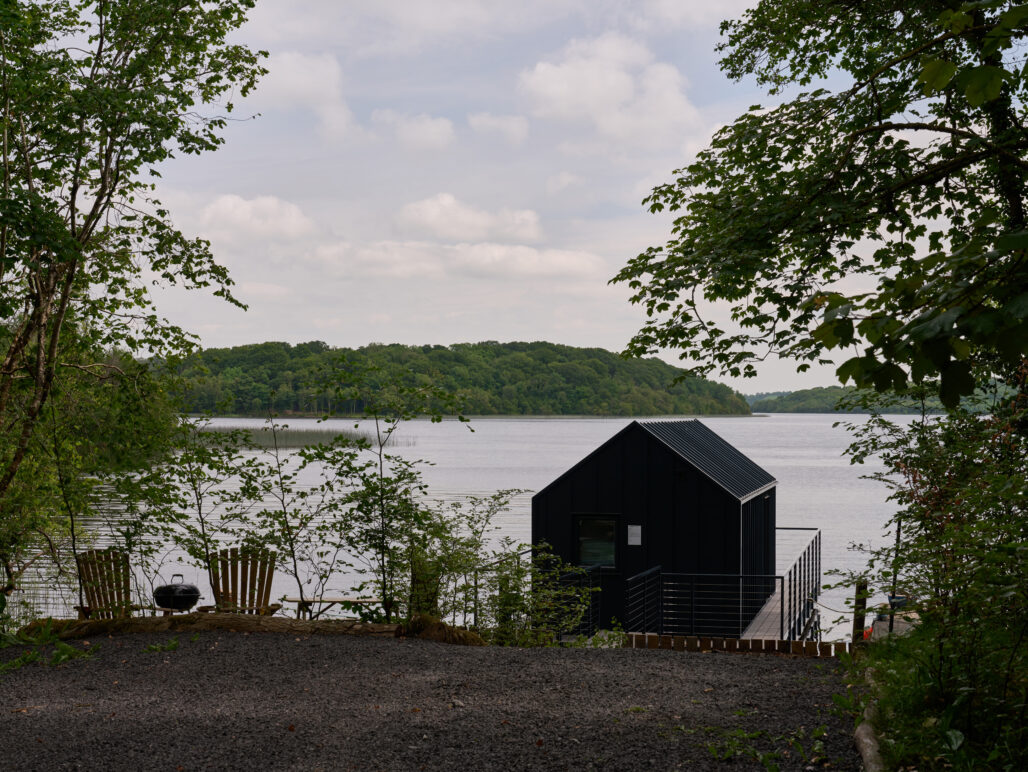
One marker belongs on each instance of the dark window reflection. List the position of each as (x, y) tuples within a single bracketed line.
[(596, 541)]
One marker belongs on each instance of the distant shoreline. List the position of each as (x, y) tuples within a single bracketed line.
[(491, 416)]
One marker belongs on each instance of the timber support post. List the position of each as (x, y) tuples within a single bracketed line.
[(859, 612)]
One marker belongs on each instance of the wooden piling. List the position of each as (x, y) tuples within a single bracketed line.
[(859, 612)]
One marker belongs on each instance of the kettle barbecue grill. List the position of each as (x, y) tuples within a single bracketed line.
[(176, 596)]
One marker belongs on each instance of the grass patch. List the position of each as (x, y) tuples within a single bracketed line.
[(38, 642)]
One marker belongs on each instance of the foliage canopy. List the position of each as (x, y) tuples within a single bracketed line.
[(835, 399), (951, 693), (885, 219), (490, 378), (95, 95)]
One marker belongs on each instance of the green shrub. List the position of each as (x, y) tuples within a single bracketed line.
[(532, 601), (953, 692)]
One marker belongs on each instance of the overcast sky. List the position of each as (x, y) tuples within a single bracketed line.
[(454, 170)]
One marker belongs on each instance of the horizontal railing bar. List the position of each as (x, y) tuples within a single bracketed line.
[(727, 576), (654, 569), (497, 562), (730, 583)]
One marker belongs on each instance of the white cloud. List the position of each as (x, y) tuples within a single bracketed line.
[(236, 219), (404, 260), (417, 132), (255, 290), (307, 81), (500, 260), (660, 17), (382, 260), (373, 28), (592, 79), (558, 182), (613, 83), (661, 14), (400, 27), (443, 216), (513, 128)]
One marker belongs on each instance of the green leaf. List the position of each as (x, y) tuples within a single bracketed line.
[(825, 333), (941, 324), (956, 21), (920, 367), (957, 382), (983, 84), (936, 75), (1012, 241), (955, 738), (851, 369), (889, 377), (1018, 307), (1014, 16)]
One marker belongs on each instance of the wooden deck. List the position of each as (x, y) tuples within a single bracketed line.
[(768, 621), (767, 624)]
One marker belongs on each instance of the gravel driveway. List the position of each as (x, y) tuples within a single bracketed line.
[(221, 700)]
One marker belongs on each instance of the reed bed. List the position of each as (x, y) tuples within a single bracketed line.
[(289, 437)]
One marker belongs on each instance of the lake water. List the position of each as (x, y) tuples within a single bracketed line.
[(817, 486)]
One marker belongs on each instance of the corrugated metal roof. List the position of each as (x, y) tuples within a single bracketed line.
[(712, 455)]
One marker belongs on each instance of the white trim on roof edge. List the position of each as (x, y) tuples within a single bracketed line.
[(757, 492)]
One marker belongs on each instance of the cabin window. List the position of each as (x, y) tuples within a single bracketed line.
[(596, 541)]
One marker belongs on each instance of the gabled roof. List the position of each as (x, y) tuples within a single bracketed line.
[(698, 446), (711, 455)]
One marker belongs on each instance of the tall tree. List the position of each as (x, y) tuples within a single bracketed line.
[(93, 432), (94, 96), (885, 218)]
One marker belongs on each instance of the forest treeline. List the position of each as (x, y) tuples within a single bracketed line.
[(830, 399), (490, 378)]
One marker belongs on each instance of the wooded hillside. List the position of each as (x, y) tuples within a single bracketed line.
[(493, 378), (826, 400)]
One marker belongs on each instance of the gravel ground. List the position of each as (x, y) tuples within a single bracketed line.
[(222, 700)]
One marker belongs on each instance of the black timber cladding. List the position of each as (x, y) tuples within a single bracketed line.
[(673, 495), (711, 455)]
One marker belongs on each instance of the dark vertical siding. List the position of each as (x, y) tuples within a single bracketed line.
[(757, 559), (758, 553), (689, 523), (660, 506)]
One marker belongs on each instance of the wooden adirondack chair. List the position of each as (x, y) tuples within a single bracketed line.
[(105, 583), (242, 582)]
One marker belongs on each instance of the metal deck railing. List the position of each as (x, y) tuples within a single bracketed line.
[(779, 606)]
